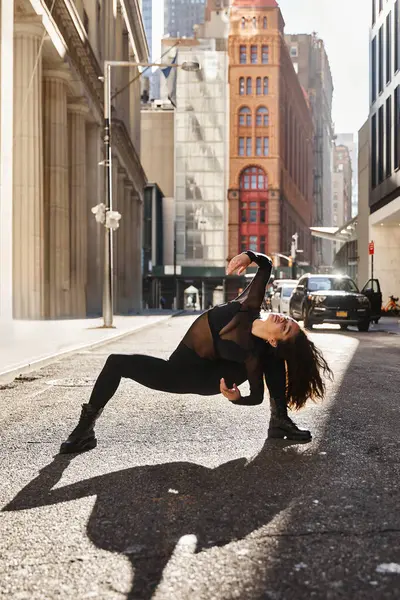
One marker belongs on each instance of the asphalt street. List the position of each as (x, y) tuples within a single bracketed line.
[(184, 496)]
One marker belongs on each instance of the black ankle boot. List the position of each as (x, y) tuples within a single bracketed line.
[(281, 425), (82, 438)]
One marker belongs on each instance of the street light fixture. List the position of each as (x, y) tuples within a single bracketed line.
[(108, 254)]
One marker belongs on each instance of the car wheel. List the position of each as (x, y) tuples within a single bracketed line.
[(344, 327), (363, 325)]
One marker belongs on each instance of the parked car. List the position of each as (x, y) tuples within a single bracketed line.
[(320, 299), (278, 282), (271, 289), (281, 297)]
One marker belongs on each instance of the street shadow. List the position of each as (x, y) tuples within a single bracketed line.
[(346, 522), (142, 512)]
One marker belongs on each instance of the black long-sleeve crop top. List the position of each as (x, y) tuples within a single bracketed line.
[(225, 330)]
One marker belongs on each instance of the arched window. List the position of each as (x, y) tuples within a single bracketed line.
[(262, 116), (258, 86), (245, 116), (243, 23), (254, 23), (266, 86), (248, 86), (265, 23), (253, 178), (241, 86)]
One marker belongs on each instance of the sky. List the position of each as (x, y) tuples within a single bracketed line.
[(343, 25)]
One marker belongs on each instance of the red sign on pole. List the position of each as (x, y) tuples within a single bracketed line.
[(371, 248)]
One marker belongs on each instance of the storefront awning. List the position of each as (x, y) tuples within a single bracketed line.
[(346, 233)]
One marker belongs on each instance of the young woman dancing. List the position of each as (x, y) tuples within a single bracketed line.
[(224, 347)]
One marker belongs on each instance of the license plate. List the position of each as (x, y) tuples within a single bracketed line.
[(341, 313)]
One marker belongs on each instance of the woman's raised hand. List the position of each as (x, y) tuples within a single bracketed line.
[(238, 263), (230, 393)]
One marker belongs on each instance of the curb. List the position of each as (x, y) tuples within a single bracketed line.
[(23, 368)]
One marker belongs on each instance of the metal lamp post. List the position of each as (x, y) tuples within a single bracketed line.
[(108, 253)]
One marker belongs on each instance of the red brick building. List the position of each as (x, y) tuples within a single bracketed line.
[(271, 167)]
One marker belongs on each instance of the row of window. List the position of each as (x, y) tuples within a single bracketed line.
[(254, 52), (246, 86), (253, 242), (385, 151), (256, 22), (262, 116), (246, 146), (385, 53), (253, 212)]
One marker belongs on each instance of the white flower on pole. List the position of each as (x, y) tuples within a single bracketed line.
[(99, 212), (112, 219)]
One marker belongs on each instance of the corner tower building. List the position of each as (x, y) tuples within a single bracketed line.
[(270, 192)]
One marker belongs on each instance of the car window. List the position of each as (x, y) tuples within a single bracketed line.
[(287, 291), (344, 285), (329, 283), (372, 286), (316, 284)]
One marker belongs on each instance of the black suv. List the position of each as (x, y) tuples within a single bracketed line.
[(336, 299)]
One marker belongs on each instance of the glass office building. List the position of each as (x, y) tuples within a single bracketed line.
[(201, 160)]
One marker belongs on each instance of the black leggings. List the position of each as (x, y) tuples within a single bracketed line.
[(184, 373)]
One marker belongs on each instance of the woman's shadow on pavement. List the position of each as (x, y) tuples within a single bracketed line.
[(142, 512)]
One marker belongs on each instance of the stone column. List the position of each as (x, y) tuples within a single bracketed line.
[(115, 234), (120, 262), (129, 247), (137, 251), (6, 162), (56, 196), (94, 195), (77, 114), (28, 234)]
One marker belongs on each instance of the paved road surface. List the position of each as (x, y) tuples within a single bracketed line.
[(184, 498)]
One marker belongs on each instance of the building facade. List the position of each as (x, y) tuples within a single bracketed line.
[(384, 119), (270, 170), (342, 186), (351, 142), (363, 237), (51, 252), (158, 159), (200, 156), (181, 16), (311, 64), (154, 28)]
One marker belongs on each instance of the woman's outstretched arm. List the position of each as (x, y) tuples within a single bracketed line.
[(253, 295)]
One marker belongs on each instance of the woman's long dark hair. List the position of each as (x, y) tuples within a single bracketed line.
[(305, 369)]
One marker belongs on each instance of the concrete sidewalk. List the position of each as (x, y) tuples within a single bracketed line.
[(25, 345), (388, 325)]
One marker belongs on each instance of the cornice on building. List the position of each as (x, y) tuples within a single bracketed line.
[(83, 59), (80, 53)]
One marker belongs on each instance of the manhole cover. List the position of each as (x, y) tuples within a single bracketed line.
[(76, 382)]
